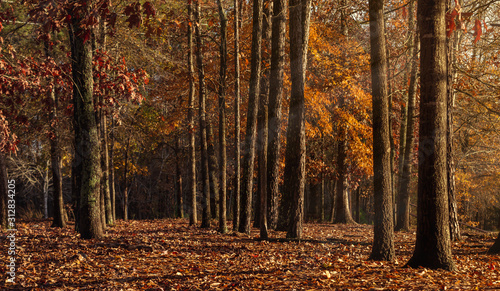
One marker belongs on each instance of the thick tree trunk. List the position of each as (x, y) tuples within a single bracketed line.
[(261, 215), (403, 214), (237, 125), (383, 240), (193, 219), (295, 154), (251, 131), (222, 119), (433, 246), (342, 213), (87, 151), (275, 104), (205, 202)]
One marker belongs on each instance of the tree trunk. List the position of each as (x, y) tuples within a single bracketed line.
[(87, 151), (56, 164), (213, 167), (237, 125), (263, 129), (403, 214), (205, 202), (383, 239), (45, 190), (193, 219), (295, 154), (178, 179), (342, 213), (433, 246), (111, 167), (275, 104), (222, 119), (125, 182), (451, 47), (106, 170), (251, 131), (3, 192)]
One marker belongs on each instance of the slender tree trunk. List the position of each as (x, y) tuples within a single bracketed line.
[(275, 104), (433, 246), (193, 219), (451, 47), (237, 125), (56, 165), (3, 192), (111, 167), (125, 182), (403, 214), (295, 154), (45, 190), (205, 205), (106, 171), (178, 178), (87, 151), (213, 167), (251, 131), (222, 119), (383, 240)]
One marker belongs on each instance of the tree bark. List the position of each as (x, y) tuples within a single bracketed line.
[(263, 129), (178, 179), (451, 47), (342, 213), (237, 125), (295, 154), (205, 203), (213, 167), (125, 182), (87, 151), (403, 201), (495, 248), (111, 167), (193, 219), (56, 164), (383, 239), (222, 119), (251, 130), (274, 110), (433, 246)]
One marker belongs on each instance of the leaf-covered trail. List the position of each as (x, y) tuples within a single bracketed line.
[(170, 255)]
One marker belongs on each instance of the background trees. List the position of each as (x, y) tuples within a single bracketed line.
[(152, 141)]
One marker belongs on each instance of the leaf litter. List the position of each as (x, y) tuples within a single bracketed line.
[(168, 254)]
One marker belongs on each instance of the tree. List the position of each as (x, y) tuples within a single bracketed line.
[(3, 191), (383, 240), (403, 198), (192, 147), (87, 151), (222, 119), (274, 108), (295, 154), (237, 125), (432, 247), (251, 130), (205, 179)]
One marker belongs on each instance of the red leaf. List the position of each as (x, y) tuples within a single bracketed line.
[(478, 31)]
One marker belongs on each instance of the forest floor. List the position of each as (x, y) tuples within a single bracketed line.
[(169, 255)]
